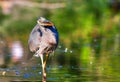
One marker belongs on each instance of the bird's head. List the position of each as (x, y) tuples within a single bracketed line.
[(44, 22)]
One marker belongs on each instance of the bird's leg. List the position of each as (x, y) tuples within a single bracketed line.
[(43, 69), (45, 61)]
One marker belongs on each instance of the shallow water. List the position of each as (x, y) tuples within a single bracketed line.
[(93, 62), (57, 74)]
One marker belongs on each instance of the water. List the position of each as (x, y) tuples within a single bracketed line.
[(95, 62), (31, 74), (58, 74)]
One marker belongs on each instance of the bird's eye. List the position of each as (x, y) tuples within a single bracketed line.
[(39, 21)]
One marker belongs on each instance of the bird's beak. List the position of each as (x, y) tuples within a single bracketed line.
[(45, 23)]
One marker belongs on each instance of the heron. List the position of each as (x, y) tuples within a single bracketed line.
[(43, 40)]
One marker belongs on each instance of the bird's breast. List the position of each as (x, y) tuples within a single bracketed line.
[(49, 38)]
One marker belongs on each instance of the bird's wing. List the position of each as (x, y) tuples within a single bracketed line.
[(34, 38)]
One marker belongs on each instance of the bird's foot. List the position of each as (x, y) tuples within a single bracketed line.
[(44, 77)]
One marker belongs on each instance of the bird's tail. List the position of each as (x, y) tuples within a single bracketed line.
[(36, 55)]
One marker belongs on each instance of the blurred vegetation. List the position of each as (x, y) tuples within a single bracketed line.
[(90, 28)]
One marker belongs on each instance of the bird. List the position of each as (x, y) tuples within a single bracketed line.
[(43, 40)]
